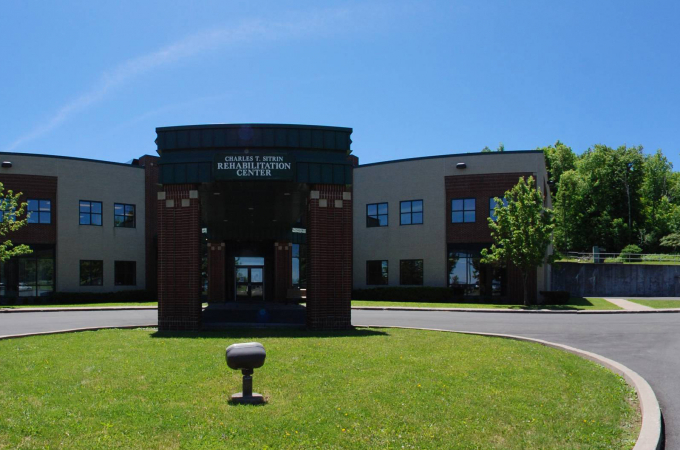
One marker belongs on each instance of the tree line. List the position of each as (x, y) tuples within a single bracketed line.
[(612, 198)]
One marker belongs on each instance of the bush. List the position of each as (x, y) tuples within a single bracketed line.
[(103, 297), (628, 251), (418, 294), (555, 297)]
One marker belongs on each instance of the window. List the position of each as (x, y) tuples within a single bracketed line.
[(299, 259), (36, 275), (376, 215), (376, 272), (125, 273), (411, 212), (39, 211), (469, 277), (90, 213), (91, 273), (123, 215), (9, 214), (462, 210), (493, 205), (411, 272)]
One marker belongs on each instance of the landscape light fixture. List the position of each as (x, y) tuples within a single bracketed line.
[(246, 357)]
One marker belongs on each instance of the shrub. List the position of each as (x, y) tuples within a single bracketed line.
[(417, 294), (628, 251), (555, 297), (103, 297)]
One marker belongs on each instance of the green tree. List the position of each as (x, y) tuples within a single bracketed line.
[(486, 150), (559, 159), (521, 232), (671, 241), (12, 218)]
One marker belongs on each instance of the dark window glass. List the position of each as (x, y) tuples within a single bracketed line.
[(91, 273), (411, 212), (90, 213), (463, 210), (376, 272), (376, 215), (411, 272), (123, 215), (464, 272), (125, 273), (39, 211), (492, 207), (299, 257)]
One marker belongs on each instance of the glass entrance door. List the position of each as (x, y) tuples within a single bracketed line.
[(249, 283)]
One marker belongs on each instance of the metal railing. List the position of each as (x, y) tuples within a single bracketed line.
[(613, 258)]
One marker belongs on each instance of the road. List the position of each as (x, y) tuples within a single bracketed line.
[(647, 343)]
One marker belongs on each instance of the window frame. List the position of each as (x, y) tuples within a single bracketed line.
[(491, 210), (134, 215), (378, 215), (101, 214), (90, 283), (464, 210), (410, 213), (115, 273), (39, 212), (401, 274), (385, 272)]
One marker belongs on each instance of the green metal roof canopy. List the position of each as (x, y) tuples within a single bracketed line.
[(317, 154)]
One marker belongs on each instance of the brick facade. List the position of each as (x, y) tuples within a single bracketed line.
[(34, 187), (216, 272), (482, 188), (151, 189), (179, 290), (283, 270), (329, 240)]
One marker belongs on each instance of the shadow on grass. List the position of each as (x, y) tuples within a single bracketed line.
[(252, 333), (574, 304)]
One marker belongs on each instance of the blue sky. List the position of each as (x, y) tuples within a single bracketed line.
[(413, 78)]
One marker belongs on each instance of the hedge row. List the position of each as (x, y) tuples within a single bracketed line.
[(61, 298), (416, 294)]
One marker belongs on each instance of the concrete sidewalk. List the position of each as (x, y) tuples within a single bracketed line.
[(628, 306)]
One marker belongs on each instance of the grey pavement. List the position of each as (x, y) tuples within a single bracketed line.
[(647, 343)]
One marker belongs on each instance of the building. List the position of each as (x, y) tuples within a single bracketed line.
[(260, 214)]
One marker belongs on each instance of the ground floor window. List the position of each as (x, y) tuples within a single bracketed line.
[(469, 277), (91, 273), (28, 275), (411, 272), (299, 262), (376, 272), (125, 273)]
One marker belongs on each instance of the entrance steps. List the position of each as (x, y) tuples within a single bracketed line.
[(220, 315)]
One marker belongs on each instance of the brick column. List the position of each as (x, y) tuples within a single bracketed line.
[(179, 258), (329, 242), (216, 274), (283, 270)]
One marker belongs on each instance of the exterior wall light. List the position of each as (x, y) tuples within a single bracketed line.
[(6, 164), (246, 357), (461, 166)]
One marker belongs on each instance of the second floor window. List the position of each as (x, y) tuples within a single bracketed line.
[(123, 215), (493, 204), (90, 213), (411, 212), (39, 211), (376, 215), (462, 210)]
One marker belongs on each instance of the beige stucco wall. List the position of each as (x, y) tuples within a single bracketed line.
[(417, 179), (95, 181)]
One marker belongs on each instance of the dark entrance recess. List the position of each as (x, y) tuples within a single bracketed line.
[(267, 208)]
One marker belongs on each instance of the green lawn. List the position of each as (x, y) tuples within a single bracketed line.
[(82, 305), (657, 304), (574, 304), (361, 389)]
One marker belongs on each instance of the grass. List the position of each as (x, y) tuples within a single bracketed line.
[(81, 305), (574, 304), (657, 304), (361, 389)]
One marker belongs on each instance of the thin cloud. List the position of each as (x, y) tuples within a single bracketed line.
[(254, 31)]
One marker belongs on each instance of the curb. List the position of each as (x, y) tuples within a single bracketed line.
[(77, 308), (519, 311), (651, 431), (75, 330)]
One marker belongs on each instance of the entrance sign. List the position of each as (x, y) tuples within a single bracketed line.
[(247, 165)]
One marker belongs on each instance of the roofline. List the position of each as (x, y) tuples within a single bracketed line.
[(450, 155), (73, 158), (256, 125)]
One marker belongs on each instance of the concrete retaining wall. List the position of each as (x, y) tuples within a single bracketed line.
[(616, 280)]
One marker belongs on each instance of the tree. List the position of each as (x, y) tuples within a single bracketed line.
[(671, 241), (559, 159), (486, 150), (521, 232), (11, 219)]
